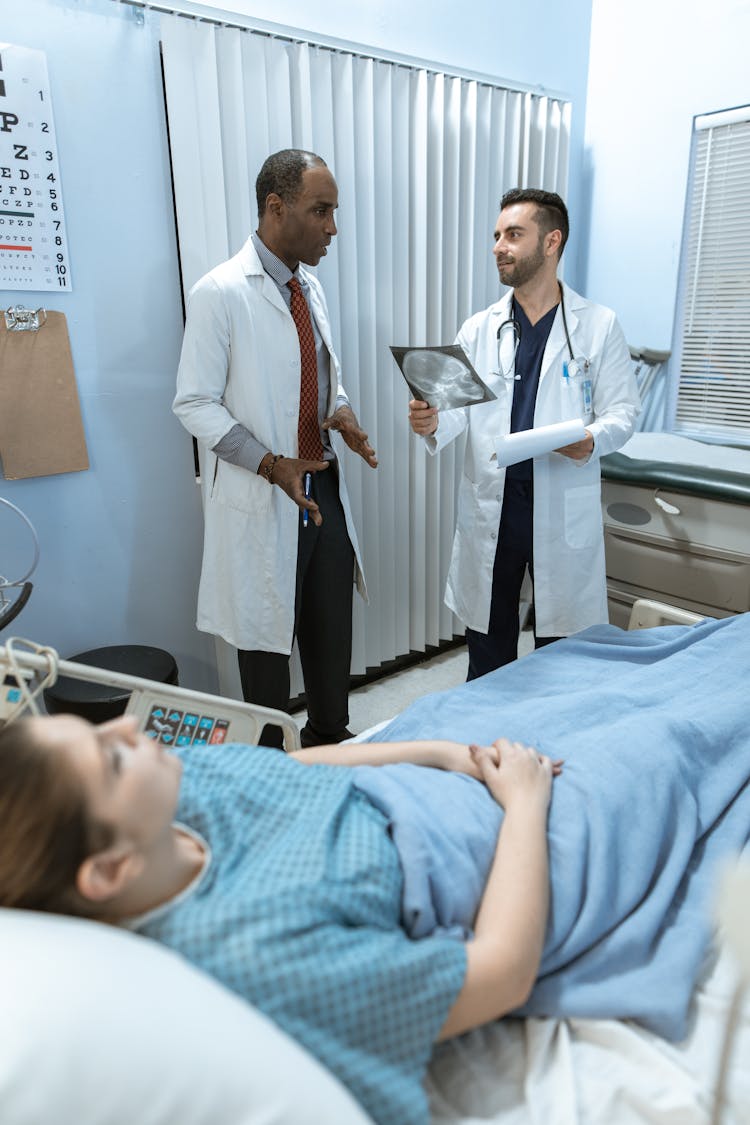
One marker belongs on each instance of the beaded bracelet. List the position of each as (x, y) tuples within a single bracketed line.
[(269, 468)]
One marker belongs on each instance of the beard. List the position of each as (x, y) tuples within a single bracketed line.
[(522, 270)]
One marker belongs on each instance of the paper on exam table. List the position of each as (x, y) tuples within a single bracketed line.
[(533, 443)]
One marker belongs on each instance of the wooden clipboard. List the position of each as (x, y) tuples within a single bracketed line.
[(41, 430)]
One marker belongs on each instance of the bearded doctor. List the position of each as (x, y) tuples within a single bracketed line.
[(550, 356)]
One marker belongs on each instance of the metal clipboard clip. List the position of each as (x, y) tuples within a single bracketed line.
[(20, 319)]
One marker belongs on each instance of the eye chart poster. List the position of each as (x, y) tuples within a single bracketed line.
[(33, 243)]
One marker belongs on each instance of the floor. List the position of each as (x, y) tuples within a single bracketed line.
[(376, 702)]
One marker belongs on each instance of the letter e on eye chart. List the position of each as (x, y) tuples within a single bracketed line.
[(33, 242)]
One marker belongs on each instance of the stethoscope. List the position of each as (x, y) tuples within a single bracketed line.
[(571, 366)]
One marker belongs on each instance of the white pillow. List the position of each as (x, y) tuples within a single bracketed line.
[(102, 1027)]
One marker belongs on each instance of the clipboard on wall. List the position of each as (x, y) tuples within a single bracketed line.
[(41, 429)]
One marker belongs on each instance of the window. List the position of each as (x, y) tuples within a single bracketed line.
[(710, 393)]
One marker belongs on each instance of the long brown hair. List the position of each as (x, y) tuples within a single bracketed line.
[(45, 829)]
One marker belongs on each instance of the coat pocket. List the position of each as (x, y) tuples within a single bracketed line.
[(583, 516), (240, 489)]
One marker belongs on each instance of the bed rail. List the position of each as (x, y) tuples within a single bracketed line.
[(646, 613)]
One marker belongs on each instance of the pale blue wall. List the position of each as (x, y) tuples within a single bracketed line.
[(653, 68), (121, 543)]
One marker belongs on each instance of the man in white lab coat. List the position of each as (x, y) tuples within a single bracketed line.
[(258, 386), (550, 356)]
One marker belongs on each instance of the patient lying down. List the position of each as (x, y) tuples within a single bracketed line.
[(374, 909), (281, 880)]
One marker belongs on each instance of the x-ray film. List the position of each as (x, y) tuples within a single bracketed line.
[(442, 376)]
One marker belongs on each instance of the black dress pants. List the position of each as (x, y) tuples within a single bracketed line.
[(322, 626), (515, 551)]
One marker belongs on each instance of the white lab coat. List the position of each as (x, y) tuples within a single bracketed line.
[(240, 362), (569, 571)]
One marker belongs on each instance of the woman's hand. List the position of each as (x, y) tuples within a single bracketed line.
[(515, 772), (503, 958), (483, 763), (458, 758)]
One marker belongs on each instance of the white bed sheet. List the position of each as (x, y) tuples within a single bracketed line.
[(595, 1072)]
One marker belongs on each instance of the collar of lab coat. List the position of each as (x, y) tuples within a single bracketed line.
[(557, 345), (501, 310), (556, 351), (253, 267)]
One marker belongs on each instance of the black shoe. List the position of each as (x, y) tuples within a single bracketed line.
[(309, 737)]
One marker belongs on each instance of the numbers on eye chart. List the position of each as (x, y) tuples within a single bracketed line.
[(33, 240)]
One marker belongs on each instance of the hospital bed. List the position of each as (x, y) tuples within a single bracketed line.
[(99, 1026)]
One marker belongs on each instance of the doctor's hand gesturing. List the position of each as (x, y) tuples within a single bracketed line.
[(423, 418), (345, 421)]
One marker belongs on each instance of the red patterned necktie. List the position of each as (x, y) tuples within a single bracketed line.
[(310, 447)]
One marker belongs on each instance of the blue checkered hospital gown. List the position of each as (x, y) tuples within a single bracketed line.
[(299, 913)]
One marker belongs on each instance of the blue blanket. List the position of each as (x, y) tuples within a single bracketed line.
[(654, 727)]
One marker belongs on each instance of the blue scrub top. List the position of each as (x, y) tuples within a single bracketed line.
[(529, 356)]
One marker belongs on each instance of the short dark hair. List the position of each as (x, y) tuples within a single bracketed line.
[(281, 174), (551, 212)]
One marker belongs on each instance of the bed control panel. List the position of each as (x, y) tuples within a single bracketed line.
[(177, 717), (10, 693), (175, 727)]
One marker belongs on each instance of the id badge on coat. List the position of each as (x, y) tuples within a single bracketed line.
[(587, 398)]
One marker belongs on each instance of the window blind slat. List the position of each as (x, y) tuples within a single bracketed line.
[(711, 350)]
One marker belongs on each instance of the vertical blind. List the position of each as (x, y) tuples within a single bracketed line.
[(711, 370), (421, 159)]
